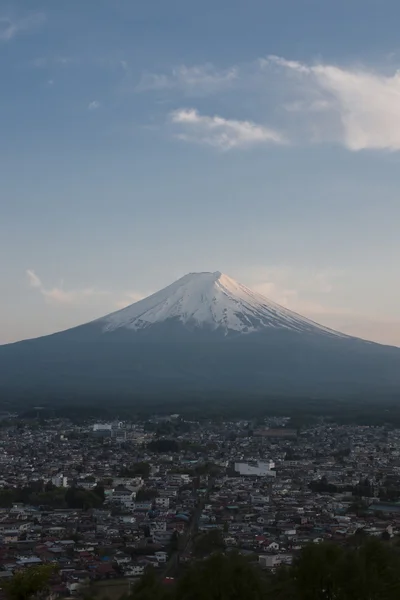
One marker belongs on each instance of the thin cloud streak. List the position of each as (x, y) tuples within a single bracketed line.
[(220, 133), (58, 295), (94, 105), (198, 80), (11, 27), (128, 299)]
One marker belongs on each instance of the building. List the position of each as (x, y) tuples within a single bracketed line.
[(102, 429), (256, 469)]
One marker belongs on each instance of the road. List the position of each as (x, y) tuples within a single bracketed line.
[(186, 541)]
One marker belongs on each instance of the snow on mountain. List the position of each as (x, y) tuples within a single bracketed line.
[(213, 301)]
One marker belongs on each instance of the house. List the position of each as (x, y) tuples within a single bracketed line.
[(161, 556), (271, 546), (162, 502), (134, 571), (272, 561)]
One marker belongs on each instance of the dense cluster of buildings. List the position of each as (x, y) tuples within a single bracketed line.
[(104, 501)]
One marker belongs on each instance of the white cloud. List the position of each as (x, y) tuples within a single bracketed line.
[(312, 294), (58, 295), (10, 27), (361, 107), (223, 134), (192, 81), (128, 299), (306, 291), (43, 62), (93, 105), (366, 327), (356, 107), (34, 280)]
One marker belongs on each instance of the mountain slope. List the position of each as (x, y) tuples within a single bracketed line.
[(204, 333), (210, 300)]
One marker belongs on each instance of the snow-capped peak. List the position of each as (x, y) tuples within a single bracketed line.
[(213, 301)]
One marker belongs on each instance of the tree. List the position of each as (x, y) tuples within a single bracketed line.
[(222, 577), (136, 469), (149, 587), (174, 543), (327, 571), (208, 542), (76, 497), (99, 491), (163, 445), (7, 498), (26, 584), (145, 494)]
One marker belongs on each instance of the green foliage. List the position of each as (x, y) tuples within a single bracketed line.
[(26, 584), (163, 445), (36, 493), (208, 542), (222, 578), (146, 494), (369, 571), (79, 498), (7, 498), (207, 468), (174, 543), (149, 587), (99, 491), (327, 571), (141, 469)]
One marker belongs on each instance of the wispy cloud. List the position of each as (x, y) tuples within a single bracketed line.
[(93, 105), (313, 293), (59, 295), (34, 280), (43, 62), (191, 81), (384, 331), (88, 296), (11, 27), (128, 299), (221, 133), (358, 107), (305, 291)]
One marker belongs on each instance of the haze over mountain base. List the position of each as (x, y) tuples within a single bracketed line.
[(204, 333)]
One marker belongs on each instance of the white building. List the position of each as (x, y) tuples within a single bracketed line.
[(256, 469), (274, 560), (59, 480)]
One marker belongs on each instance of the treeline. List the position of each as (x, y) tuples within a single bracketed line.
[(326, 571), (38, 493), (138, 469), (378, 409)]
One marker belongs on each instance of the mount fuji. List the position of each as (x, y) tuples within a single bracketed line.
[(211, 301), (204, 333)]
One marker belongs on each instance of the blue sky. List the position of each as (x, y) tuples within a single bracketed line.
[(143, 140)]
